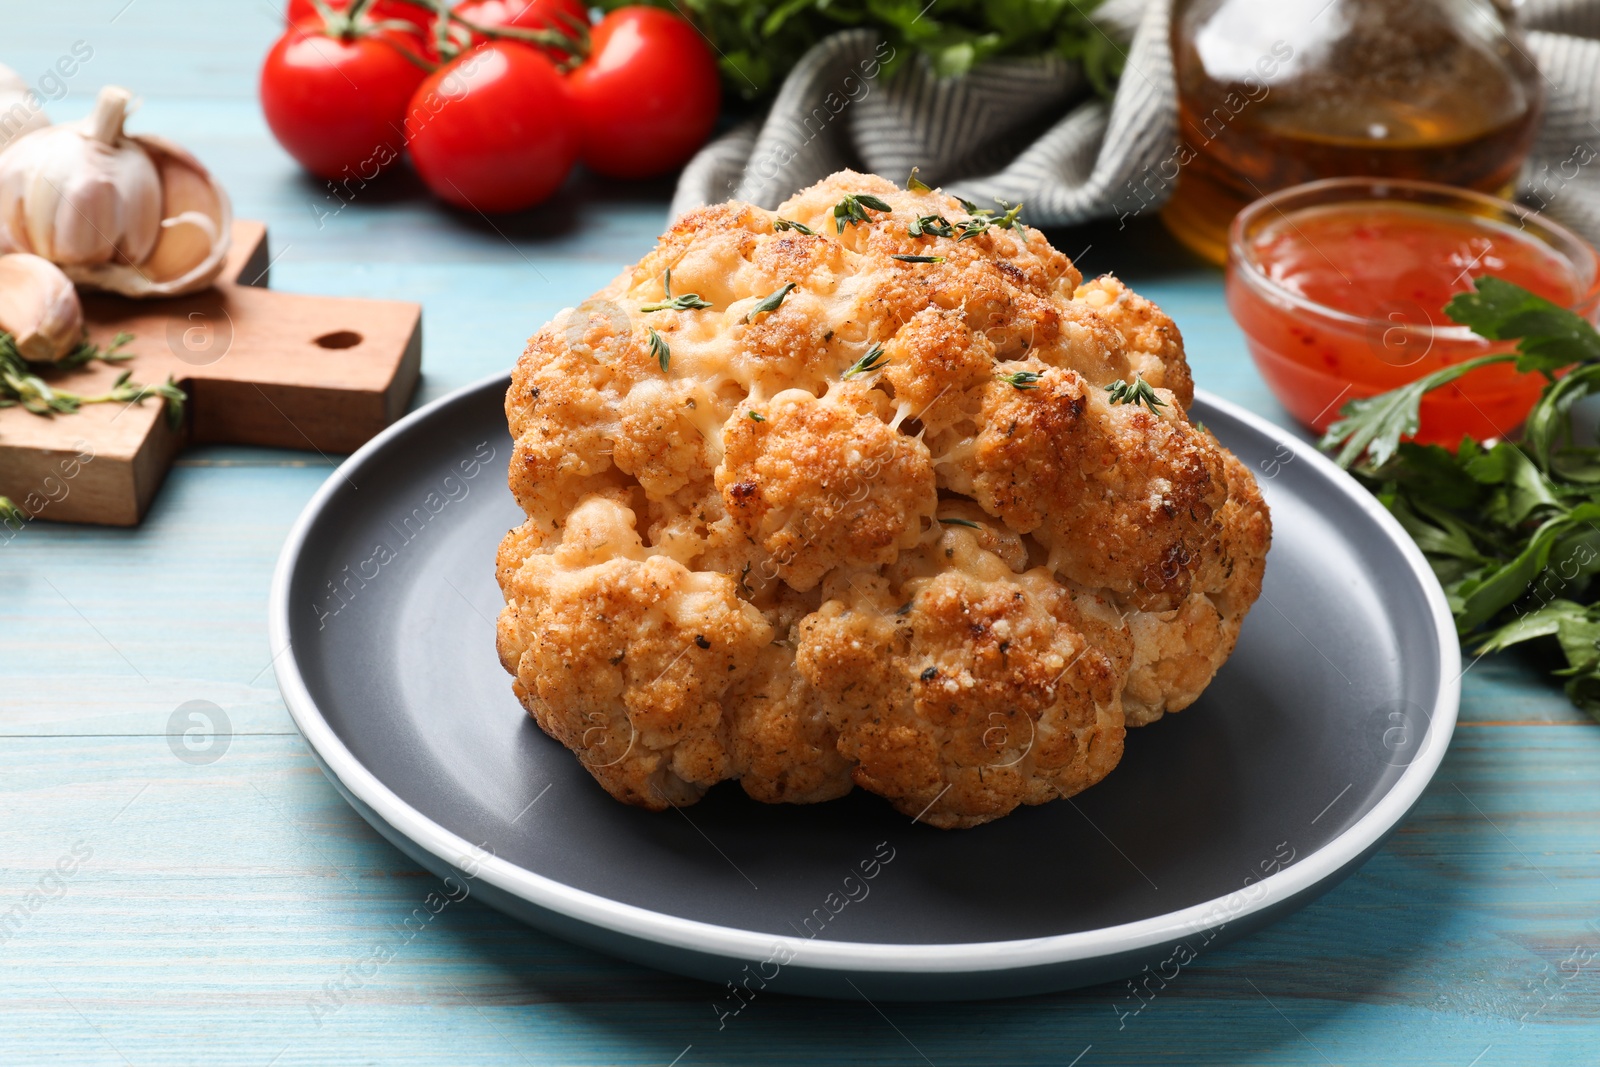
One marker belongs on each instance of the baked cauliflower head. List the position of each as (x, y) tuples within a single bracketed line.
[(871, 490)]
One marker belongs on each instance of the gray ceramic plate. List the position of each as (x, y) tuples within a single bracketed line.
[(1309, 748)]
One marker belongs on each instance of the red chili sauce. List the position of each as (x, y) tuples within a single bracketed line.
[(1380, 275)]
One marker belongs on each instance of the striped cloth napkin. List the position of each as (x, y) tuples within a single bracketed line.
[(1031, 130)]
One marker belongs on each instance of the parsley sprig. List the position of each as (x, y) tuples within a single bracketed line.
[(1511, 528), (758, 41), (852, 210), (870, 363), (686, 302), (1137, 391)]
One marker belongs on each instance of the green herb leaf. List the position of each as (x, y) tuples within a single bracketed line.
[(756, 417), (659, 348), (919, 259), (1024, 379), (852, 210), (790, 224), (770, 303), (1549, 337), (915, 184), (759, 41), (1545, 622), (1483, 598), (21, 382), (870, 363), (1522, 488), (983, 219), (960, 522), (686, 302), (87, 353), (932, 226), (1137, 391), (1373, 426)]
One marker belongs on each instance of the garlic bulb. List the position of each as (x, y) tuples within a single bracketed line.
[(20, 112), (133, 215), (39, 308), (82, 193)]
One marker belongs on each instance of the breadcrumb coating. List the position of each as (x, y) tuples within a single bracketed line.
[(856, 507)]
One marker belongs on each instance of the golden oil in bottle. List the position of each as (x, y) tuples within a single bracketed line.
[(1272, 93)]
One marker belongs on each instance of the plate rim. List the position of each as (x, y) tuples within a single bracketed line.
[(630, 920)]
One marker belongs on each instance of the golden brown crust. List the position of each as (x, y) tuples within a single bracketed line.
[(1155, 348), (951, 578)]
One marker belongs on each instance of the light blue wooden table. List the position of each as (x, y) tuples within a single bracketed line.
[(208, 905)]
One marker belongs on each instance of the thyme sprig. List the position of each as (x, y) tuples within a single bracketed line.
[(919, 259), (87, 353), (915, 184), (870, 363), (853, 210), (932, 226), (1137, 391), (21, 384), (126, 391), (686, 302), (770, 303), (790, 224), (983, 219), (1022, 379), (659, 348)]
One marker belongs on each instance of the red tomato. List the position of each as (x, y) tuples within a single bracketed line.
[(560, 15), (492, 131), (648, 94), (378, 11), (338, 106)]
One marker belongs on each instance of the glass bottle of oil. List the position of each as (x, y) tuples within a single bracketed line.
[(1272, 93)]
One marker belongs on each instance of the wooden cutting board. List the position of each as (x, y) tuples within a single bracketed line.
[(260, 368)]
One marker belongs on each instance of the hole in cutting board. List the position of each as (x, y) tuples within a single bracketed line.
[(339, 339)]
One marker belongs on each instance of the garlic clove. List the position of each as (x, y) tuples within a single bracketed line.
[(82, 193), (39, 308), (196, 231), (20, 112)]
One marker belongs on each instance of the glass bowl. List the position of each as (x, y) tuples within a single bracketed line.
[(1315, 357)]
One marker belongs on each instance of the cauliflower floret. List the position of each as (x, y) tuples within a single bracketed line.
[(783, 745), (1125, 498), (836, 496), (966, 689), (1154, 348), (624, 656), (824, 482), (1176, 653)]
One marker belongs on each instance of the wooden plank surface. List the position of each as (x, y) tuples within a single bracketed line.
[(209, 907)]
